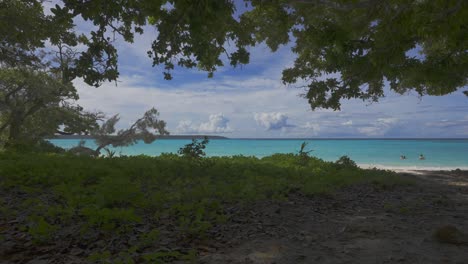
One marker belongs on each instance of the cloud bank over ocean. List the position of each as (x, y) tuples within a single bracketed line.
[(252, 101)]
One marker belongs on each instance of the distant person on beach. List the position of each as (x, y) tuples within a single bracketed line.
[(421, 157), (403, 157)]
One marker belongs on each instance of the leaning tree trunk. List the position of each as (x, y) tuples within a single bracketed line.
[(14, 130)]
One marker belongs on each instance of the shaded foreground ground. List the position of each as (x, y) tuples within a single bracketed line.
[(362, 223), (359, 224)]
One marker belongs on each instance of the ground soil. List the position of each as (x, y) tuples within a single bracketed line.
[(358, 224), (426, 222)]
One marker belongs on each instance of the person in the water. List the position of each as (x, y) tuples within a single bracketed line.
[(421, 157), (403, 157)]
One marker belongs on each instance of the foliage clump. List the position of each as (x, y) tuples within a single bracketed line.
[(41, 146), (126, 198), (344, 49), (304, 154), (194, 150), (346, 162)]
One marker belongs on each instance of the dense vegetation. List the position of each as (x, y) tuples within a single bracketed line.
[(344, 49), (128, 209)]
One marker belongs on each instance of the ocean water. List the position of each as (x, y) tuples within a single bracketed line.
[(383, 153)]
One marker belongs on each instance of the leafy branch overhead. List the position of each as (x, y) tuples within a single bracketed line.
[(344, 49)]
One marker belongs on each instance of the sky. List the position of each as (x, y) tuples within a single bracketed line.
[(251, 101)]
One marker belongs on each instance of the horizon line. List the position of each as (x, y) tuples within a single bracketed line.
[(279, 138)]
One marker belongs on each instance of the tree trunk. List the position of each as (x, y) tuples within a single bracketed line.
[(14, 128)]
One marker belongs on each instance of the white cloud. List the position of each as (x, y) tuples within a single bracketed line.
[(371, 131), (130, 98), (313, 126), (275, 107), (445, 123), (272, 121), (308, 129), (387, 120), (379, 127), (217, 123), (185, 126)]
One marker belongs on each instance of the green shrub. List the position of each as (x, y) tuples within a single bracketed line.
[(161, 257), (40, 229), (109, 219), (346, 162), (114, 197), (304, 154), (41, 146), (194, 150)]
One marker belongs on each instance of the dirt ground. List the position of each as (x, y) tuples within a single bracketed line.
[(422, 223), (426, 222)]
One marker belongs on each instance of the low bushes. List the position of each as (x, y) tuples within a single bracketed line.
[(50, 194)]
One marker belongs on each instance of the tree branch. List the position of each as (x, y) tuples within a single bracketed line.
[(63, 133), (347, 7)]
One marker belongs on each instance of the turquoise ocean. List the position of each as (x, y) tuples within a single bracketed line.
[(382, 153)]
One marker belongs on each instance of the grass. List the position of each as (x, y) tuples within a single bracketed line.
[(112, 198)]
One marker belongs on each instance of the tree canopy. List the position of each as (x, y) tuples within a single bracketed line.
[(36, 104), (29, 37), (344, 49)]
